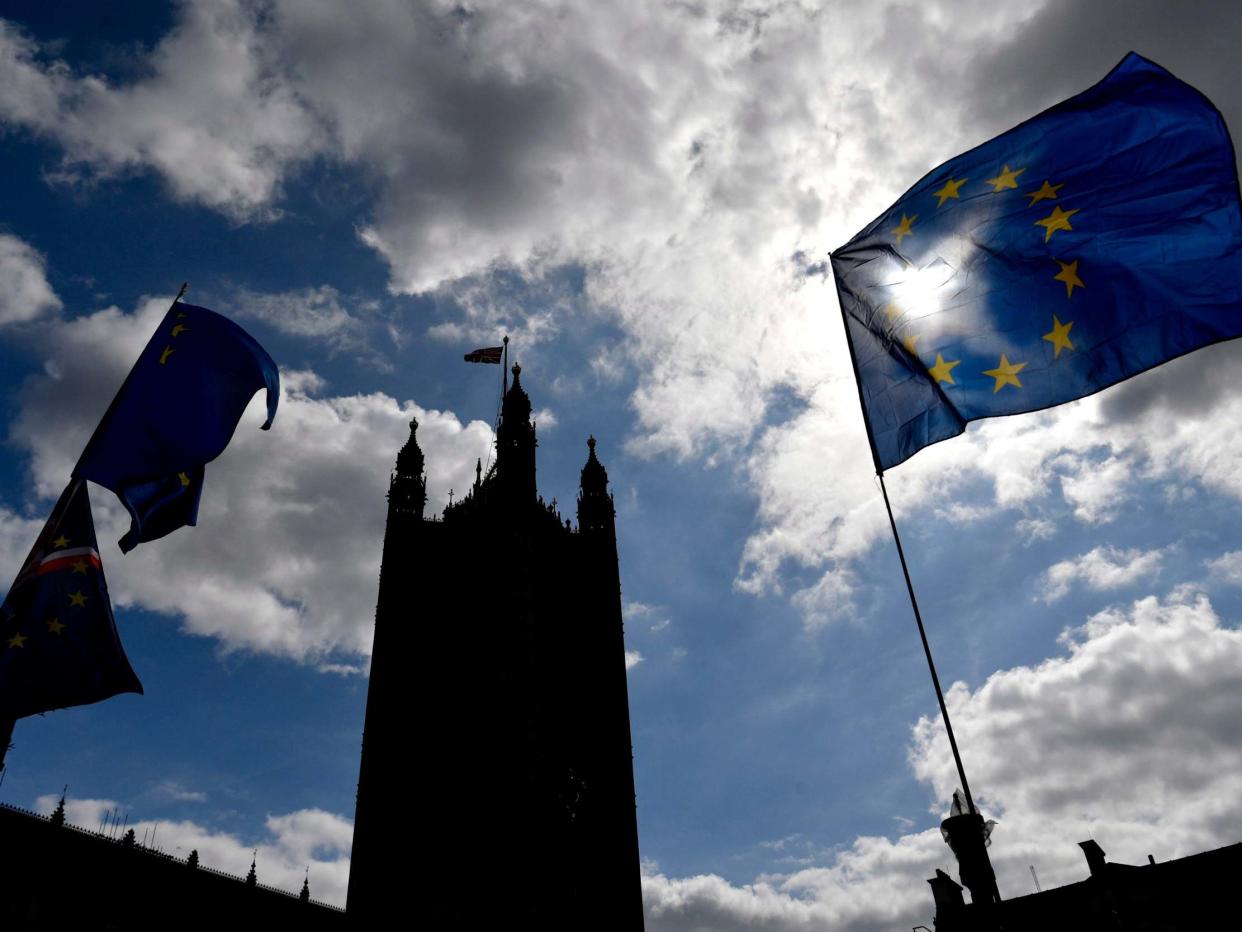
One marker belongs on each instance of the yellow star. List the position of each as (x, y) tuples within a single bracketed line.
[(943, 371), (1005, 373), (61, 542), (185, 480), (1057, 220), (181, 328), (78, 599), (1069, 275), (1059, 337), (18, 640), (903, 228), (1006, 179), (950, 189), (168, 351), (79, 566), (1047, 193), (891, 311), (909, 341), (55, 626)]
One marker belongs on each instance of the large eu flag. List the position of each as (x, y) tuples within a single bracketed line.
[(176, 412), (58, 641), (1092, 242)]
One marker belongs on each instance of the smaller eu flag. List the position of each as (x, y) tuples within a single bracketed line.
[(176, 412), (58, 641), (1090, 243)]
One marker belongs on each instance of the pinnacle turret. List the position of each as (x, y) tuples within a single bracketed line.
[(407, 491), (595, 507)]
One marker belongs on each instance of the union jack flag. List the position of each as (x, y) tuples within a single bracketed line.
[(485, 354)]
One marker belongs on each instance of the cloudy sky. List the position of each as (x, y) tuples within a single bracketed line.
[(643, 196)]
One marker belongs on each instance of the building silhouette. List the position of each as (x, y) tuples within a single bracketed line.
[(496, 768), (55, 876), (1188, 894)]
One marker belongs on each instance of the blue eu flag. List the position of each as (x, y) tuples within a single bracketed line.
[(58, 641), (176, 412), (1092, 242)]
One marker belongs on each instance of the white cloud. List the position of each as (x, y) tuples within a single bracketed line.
[(1227, 567), (24, 290), (830, 599), (1172, 423), (1033, 529), (1102, 568), (208, 113), (291, 843), (258, 572), (172, 789), (632, 659), (1129, 738), (692, 168), (319, 314)]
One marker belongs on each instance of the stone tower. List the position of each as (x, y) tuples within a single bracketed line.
[(496, 782)]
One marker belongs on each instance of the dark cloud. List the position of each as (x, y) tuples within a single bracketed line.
[(1066, 46)]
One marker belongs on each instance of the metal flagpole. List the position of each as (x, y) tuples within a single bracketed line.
[(931, 664), (905, 570), (504, 371)]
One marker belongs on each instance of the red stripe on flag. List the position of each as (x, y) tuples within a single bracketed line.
[(65, 563)]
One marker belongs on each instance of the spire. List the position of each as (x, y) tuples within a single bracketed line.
[(252, 878), (304, 896), (407, 492), (515, 445), (58, 817), (595, 507), (410, 459), (517, 402)]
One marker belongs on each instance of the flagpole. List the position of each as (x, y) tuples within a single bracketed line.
[(504, 371), (931, 664), (905, 570)]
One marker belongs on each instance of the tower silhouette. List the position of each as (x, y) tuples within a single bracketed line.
[(496, 768)]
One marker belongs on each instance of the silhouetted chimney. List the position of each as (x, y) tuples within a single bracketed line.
[(1095, 856)]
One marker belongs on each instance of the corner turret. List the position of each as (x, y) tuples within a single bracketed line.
[(407, 489), (596, 511)]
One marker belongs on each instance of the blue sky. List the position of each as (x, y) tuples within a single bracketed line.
[(641, 197)]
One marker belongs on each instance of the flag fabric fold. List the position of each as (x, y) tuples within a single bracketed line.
[(1092, 242), (489, 354), (59, 645), (176, 412)]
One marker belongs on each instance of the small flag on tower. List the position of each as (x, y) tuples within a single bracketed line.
[(1092, 242), (489, 354), (58, 641), (176, 412)]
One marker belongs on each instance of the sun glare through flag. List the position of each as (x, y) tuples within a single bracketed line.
[(1092, 242)]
